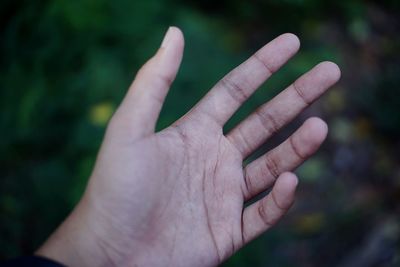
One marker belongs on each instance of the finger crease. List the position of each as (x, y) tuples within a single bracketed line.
[(166, 80), (245, 142), (300, 94), (242, 229), (263, 215), (234, 90), (247, 183), (272, 166), (267, 119), (276, 202), (295, 149), (159, 99), (268, 68)]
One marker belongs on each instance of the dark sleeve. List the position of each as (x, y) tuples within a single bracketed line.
[(30, 261)]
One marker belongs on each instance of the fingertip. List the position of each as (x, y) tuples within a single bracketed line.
[(175, 28), (317, 128), (168, 58), (289, 179), (334, 68), (278, 51), (173, 37), (293, 39), (178, 33), (309, 137), (330, 70)]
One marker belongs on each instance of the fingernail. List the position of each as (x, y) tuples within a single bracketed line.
[(167, 38)]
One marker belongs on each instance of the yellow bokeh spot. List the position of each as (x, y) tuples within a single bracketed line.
[(363, 127), (310, 223), (99, 114), (336, 100)]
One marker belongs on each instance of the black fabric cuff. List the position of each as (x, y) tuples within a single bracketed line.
[(30, 261)]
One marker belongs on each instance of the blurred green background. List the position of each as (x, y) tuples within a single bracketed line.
[(65, 66)]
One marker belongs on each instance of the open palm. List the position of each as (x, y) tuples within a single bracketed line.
[(176, 197)]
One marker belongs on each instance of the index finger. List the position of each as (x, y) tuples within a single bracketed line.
[(238, 85)]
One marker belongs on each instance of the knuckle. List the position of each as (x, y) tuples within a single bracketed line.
[(267, 67), (264, 215), (268, 121), (300, 92), (272, 165), (296, 150), (236, 91)]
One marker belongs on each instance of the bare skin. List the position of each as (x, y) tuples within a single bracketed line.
[(176, 197)]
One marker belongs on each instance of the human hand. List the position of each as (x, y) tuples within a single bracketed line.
[(176, 197)]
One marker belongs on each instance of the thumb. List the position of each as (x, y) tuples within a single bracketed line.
[(143, 102)]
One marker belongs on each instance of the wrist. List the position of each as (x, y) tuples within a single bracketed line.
[(75, 242)]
